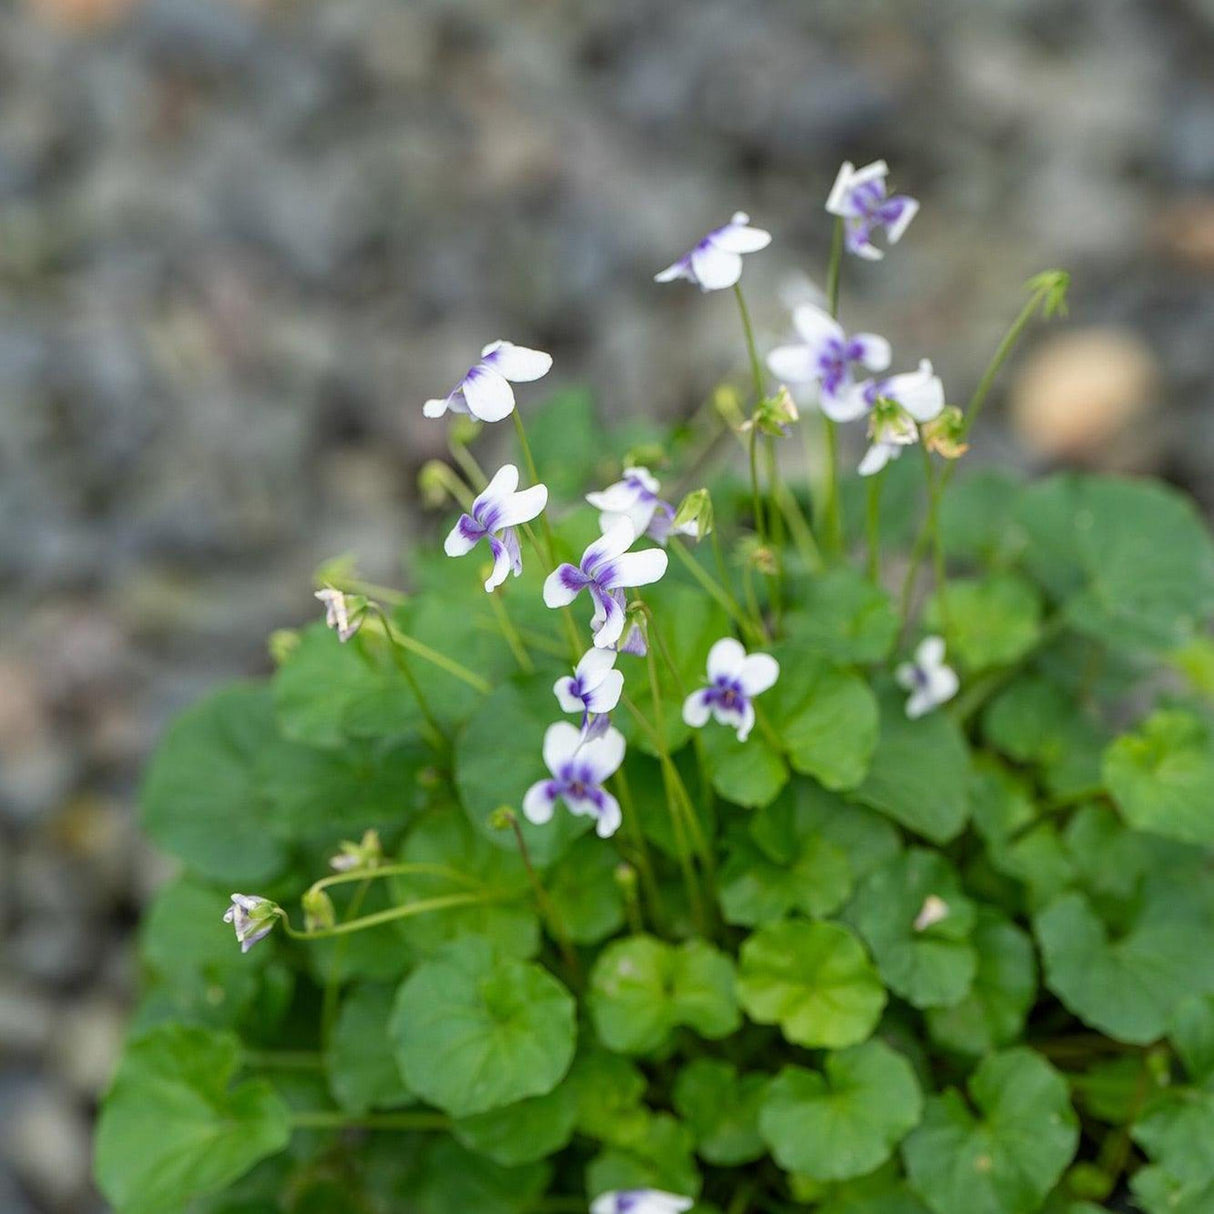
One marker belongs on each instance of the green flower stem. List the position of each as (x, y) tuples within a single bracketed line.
[(332, 991), (468, 465), (832, 513), (752, 448), (396, 870), (752, 599), (751, 628), (640, 849), (403, 641), (775, 524), (874, 527), (354, 585), (801, 532), (933, 525), (333, 1119), (439, 740), (443, 902), (453, 484), (756, 371), (548, 911), (511, 635), (770, 736)]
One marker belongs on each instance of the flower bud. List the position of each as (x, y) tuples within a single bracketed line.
[(646, 455), (354, 857), (626, 878), (318, 910), (253, 918), (282, 644), (432, 483), (728, 404), (503, 818), (464, 429), (933, 911), (343, 612), (695, 508), (1054, 284), (945, 434), (774, 414)]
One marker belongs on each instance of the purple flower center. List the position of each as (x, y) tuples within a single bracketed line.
[(727, 693)]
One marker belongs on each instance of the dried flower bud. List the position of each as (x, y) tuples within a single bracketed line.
[(945, 434), (774, 414), (367, 853)]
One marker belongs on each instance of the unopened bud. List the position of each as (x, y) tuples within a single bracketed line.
[(646, 455), (1053, 284), (695, 510), (503, 818), (432, 483), (464, 429), (318, 910), (282, 644), (625, 877), (774, 414), (945, 434), (353, 857), (728, 404)]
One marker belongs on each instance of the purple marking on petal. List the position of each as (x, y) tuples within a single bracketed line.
[(471, 530), (572, 578), (509, 539)]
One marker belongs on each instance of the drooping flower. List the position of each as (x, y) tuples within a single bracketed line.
[(640, 1201), (734, 679), (716, 262), (635, 497), (495, 514), (896, 407), (342, 613), (253, 918), (579, 767), (828, 357), (485, 390), (930, 682), (606, 569), (934, 910), (862, 199), (593, 689)]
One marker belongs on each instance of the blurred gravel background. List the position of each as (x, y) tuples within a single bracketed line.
[(241, 242)]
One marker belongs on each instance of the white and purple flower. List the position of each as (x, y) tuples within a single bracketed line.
[(716, 262), (734, 679), (896, 407), (339, 614), (826, 355), (635, 497), (579, 766), (862, 199), (485, 390), (640, 1201), (253, 918), (495, 514), (606, 570), (930, 682), (593, 689)]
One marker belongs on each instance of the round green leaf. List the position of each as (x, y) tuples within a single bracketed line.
[(360, 1060), (475, 1031), (747, 773), (524, 1132), (1176, 1129), (920, 772), (1005, 985), (812, 979), (202, 800), (844, 617), (1005, 1155), (584, 891), (641, 989), (845, 1121), (825, 716), (722, 1109), (172, 1128), (754, 889), (654, 1153), (932, 966), (451, 1178), (993, 620), (1162, 777)]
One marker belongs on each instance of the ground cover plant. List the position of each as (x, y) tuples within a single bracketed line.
[(804, 838)]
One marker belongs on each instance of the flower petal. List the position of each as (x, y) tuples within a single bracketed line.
[(930, 652), (741, 718), (489, 396), (876, 457), (616, 540), (816, 326), (503, 562), (602, 756), (739, 237), (522, 507), (759, 672), (793, 364), (609, 816), (516, 363), (539, 802), (561, 742), (502, 484), (896, 214), (680, 269), (436, 407), (609, 618), (696, 709), (637, 569), (565, 690), (848, 405), (725, 659), (563, 585), (606, 695), (593, 666), (920, 392), (714, 267), (615, 499), (871, 350), (943, 684), (463, 537)]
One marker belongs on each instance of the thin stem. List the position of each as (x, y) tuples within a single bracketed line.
[(544, 903), (874, 527), (933, 525), (833, 513), (418, 868), (372, 590), (644, 863), (332, 1119), (756, 499), (802, 533), (756, 367), (468, 465), (724, 598), (402, 665), (332, 991), (508, 630), (775, 523), (444, 902), (449, 665)]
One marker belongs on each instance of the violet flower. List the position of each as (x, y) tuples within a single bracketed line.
[(716, 262), (635, 497), (338, 614), (593, 689), (253, 918), (828, 357), (861, 198), (495, 514), (734, 679), (606, 570), (896, 406), (579, 767), (640, 1201), (485, 390), (930, 682)]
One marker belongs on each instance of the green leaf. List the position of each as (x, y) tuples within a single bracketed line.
[(172, 1128), (641, 989), (1192, 1036), (993, 620), (747, 773), (584, 891), (1114, 1090), (1160, 1193), (475, 1031), (843, 617), (881, 1192), (1129, 987), (1005, 984), (920, 772), (933, 966), (1131, 561), (845, 1121), (1162, 777), (1005, 1155), (976, 517), (499, 756), (327, 692), (812, 979), (1176, 1129), (360, 1060), (524, 1132), (825, 716), (610, 1089), (201, 798), (722, 1109), (452, 1179), (446, 838), (656, 1153)]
